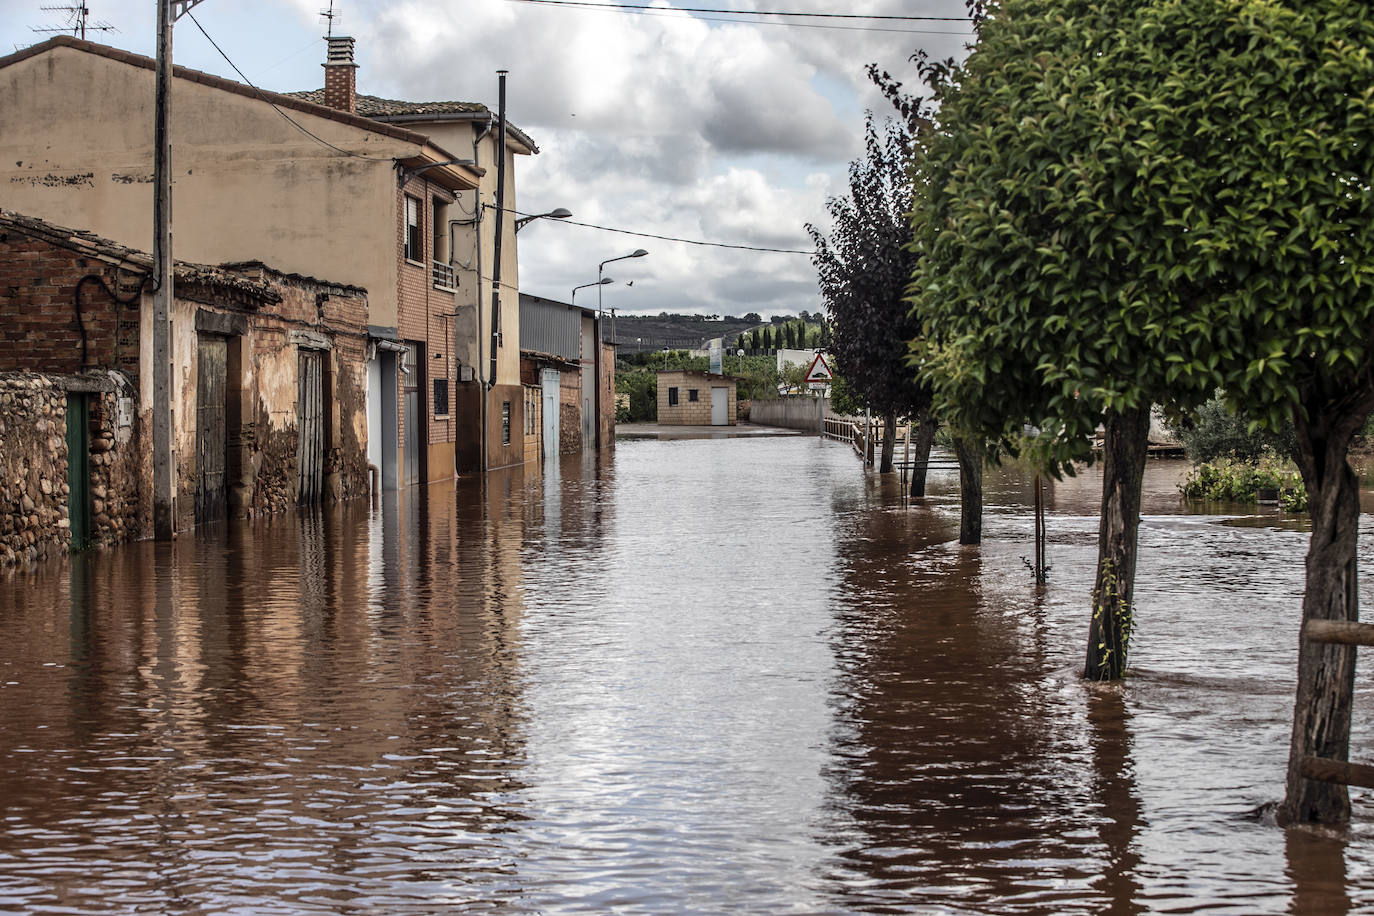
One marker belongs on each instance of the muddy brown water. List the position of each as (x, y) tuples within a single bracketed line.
[(709, 676)]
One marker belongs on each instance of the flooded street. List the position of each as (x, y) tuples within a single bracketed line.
[(712, 675)]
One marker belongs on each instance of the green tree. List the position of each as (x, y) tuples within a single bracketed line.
[(863, 265), (767, 339), (1133, 201), (754, 341), (789, 336)]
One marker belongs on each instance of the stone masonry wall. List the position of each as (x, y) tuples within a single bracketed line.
[(33, 466), (34, 492)]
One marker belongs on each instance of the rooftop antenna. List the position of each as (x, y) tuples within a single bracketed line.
[(329, 15), (78, 21)]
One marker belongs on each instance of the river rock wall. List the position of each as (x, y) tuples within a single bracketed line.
[(33, 464)]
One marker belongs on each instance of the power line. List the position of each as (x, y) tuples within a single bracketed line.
[(662, 11), (669, 238), (699, 9), (262, 95)]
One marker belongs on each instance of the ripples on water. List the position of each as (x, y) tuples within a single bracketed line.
[(703, 676)]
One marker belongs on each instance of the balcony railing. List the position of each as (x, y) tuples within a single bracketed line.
[(443, 276)]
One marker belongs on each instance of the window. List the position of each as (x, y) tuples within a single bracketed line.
[(412, 245), (439, 229), (672, 397), (505, 422), (441, 397), (692, 395)]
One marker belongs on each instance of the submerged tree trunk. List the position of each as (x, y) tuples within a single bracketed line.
[(889, 442), (1124, 448), (1326, 672), (920, 452), (970, 452)]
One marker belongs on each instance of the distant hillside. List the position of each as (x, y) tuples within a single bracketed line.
[(680, 332)]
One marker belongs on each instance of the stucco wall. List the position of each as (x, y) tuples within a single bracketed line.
[(479, 221), (76, 149), (789, 413)]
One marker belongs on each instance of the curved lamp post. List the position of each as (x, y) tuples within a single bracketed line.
[(524, 221), (637, 253), (602, 282)]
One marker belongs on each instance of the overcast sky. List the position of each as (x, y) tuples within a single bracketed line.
[(661, 122)]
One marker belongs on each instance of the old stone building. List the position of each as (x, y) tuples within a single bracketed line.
[(268, 390)]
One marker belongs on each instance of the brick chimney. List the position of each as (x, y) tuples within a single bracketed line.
[(341, 76)]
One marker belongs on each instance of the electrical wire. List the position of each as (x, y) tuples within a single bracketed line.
[(669, 238), (262, 95), (699, 9), (660, 11)]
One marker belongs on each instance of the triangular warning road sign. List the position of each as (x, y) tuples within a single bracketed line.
[(819, 371)]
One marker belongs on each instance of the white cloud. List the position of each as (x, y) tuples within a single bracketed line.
[(664, 123)]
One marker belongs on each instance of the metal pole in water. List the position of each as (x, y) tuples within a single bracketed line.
[(1039, 531)]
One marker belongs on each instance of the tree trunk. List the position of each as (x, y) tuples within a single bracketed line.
[(970, 452), (1109, 634), (920, 453), (1326, 673), (889, 442)]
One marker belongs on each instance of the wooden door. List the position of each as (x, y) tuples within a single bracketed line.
[(310, 425), (212, 442), (78, 471)]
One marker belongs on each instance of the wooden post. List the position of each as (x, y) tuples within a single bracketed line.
[(906, 462), (163, 521)]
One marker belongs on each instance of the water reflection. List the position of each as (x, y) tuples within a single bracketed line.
[(711, 675)]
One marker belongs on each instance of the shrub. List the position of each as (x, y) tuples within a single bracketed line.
[(1240, 481), (1213, 431)]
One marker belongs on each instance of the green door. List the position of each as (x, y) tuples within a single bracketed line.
[(78, 471)]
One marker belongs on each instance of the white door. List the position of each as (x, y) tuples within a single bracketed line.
[(720, 406), (549, 381)]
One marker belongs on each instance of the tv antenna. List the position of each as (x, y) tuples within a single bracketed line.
[(329, 15), (78, 21)]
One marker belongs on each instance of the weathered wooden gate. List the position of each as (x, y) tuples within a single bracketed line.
[(212, 442), (310, 425), (78, 471)]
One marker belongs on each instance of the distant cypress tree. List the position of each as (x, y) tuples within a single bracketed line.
[(789, 336), (754, 342), (767, 339)]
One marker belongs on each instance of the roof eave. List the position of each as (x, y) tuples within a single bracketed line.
[(516, 138)]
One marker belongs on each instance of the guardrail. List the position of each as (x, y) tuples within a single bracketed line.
[(443, 275)]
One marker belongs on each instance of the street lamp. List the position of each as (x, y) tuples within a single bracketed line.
[(602, 282), (524, 221), (637, 253)]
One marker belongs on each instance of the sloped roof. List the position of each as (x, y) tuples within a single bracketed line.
[(91, 245), (218, 82), (380, 109)]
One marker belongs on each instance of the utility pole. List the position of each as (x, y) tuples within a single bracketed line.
[(168, 11), (500, 222)]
